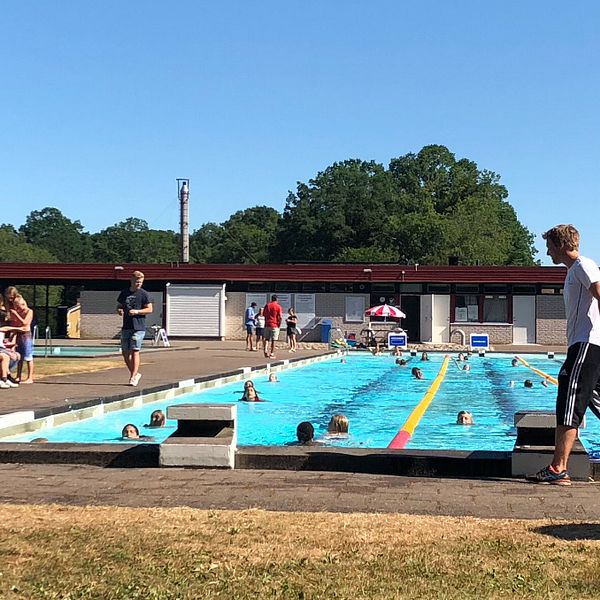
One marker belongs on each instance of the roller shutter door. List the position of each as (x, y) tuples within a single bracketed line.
[(196, 310)]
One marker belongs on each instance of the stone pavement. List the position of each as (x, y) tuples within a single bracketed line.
[(296, 491)]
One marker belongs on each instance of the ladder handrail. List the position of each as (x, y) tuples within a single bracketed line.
[(48, 341)]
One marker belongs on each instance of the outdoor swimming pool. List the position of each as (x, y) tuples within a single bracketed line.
[(374, 393), (76, 351)]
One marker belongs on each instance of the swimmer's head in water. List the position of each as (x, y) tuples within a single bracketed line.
[(130, 432), (157, 418), (338, 424), (305, 432), (464, 417)]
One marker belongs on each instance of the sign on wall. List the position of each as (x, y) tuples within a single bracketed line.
[(305, 309), (260, 299), (285, 301), (355, 309)]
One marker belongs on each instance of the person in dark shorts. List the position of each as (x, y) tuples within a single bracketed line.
[(133, 304), (578, 379), (250, 324)]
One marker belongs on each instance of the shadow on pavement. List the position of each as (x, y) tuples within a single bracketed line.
[(571, 531)]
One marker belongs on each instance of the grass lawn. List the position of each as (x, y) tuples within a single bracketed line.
[(121, 553), (46, 367)]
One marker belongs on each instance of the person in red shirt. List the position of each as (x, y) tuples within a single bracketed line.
[(273, 316)]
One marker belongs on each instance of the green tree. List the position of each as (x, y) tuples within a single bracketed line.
[(133, 241), (424, 208), (248, 236), (15, 248), (462, 209), (341, 209), (50, 230)]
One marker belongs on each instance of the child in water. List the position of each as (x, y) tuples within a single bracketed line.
[(250, 393), (157, 419)]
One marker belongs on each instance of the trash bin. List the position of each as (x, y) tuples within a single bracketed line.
[(325, 330)]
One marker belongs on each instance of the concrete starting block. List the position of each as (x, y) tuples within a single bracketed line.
[(534, 447), (206, 436)]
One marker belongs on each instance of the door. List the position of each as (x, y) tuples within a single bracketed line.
[(440, 328), (426, 317), (196, 310), (411, 307), (523, 319)]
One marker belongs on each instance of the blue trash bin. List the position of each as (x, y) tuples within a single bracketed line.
[(325, 330)]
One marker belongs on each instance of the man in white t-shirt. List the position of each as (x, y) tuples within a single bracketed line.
[(580, 374)]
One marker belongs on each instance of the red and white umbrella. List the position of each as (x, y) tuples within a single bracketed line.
[(385, 310)]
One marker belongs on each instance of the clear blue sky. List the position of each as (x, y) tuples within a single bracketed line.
[(104, 104)]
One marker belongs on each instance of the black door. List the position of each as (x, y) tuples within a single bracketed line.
[(411, 307)]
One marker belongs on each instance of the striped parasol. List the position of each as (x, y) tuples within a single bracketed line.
[(385, 310)]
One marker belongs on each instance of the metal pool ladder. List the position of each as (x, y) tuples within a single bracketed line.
[(48, 341)]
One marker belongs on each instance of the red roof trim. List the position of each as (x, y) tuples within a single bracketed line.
[(327, 272)]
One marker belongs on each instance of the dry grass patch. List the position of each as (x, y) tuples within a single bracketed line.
[(117, 553), (49, 367)]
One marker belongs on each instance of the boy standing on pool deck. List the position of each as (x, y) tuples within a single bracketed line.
[(133, 304), (580, 373)]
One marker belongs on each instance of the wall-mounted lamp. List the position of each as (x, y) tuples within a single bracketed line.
[(119, 268), (367, 270)]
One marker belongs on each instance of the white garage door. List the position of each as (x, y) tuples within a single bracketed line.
[(196, 310)]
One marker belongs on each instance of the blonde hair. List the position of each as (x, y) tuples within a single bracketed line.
[(338, 424), (137, 275), (18, 299), (563, 236), (10, 293)]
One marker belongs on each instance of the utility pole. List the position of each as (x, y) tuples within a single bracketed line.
[(183, 193)]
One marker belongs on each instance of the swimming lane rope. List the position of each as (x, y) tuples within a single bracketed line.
[(540, 373), (405, 433)]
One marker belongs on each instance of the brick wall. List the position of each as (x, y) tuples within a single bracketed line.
[(550, 321), (499, 334), (99, 318)]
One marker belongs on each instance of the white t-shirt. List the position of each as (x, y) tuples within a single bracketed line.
[(583, 315), (260, 321)]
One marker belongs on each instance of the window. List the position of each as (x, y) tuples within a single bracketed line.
[(383, 287), (466, 308), (438, 288), (523, 288), (314, 287), (341, 287), (410, 288), (495, 288), (355, 309), (467, 288), (495, 309)]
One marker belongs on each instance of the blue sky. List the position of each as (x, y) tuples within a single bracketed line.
[(103, 105)]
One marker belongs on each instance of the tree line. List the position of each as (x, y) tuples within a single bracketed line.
[(422, 208)]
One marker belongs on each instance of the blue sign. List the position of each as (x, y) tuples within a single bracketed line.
[(480, 340), (397, 340)]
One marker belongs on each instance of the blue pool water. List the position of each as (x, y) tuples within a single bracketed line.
[(73, 351), (375, 394)]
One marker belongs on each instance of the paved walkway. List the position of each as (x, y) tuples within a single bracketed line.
[(296, 491)]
